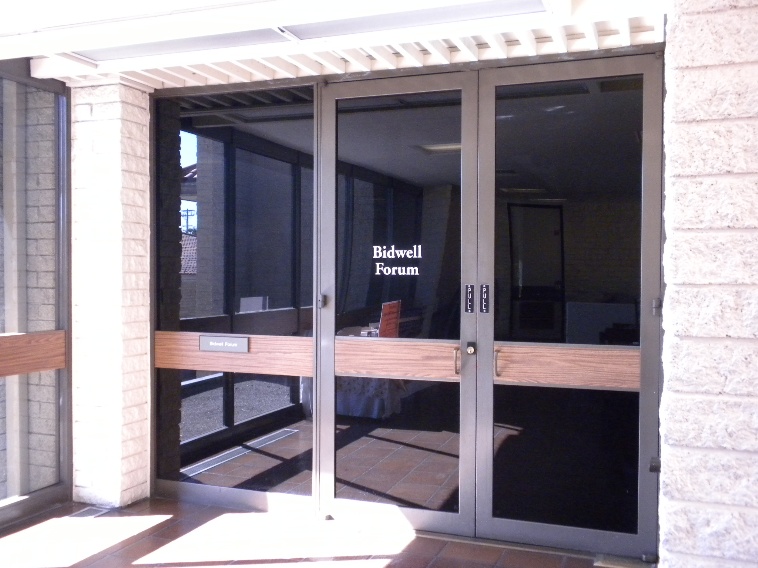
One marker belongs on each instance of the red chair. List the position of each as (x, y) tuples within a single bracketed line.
[(389, 321)]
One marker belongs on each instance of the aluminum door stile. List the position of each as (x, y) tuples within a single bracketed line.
[(485, 321), (325, 243), (643, 543)]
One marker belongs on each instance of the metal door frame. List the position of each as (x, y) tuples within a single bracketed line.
[(644, 543), (462, 522)]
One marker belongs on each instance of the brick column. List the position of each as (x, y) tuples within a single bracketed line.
[(110, 258), (709, 410), (169, 251)]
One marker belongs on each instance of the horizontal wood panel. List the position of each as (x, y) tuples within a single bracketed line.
[(32, 352), (606, 368), (269, 355), (380, 357)]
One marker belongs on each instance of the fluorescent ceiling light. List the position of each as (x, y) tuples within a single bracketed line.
[(522, 190), (253, 37), (428, 17), (450, 148)]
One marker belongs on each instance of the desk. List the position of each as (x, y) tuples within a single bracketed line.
[(359, 331)]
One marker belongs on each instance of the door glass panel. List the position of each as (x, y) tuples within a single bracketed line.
[(398, 278), (245, 229), (567, 271)]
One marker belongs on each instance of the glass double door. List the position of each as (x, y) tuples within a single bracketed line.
[(488, 253)]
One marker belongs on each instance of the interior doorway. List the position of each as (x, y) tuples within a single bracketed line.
[(536, 252)]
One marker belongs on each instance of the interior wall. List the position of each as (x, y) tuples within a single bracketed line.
[(601, 240), (435, 210), (264, 206)]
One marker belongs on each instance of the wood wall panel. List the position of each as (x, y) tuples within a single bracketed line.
[(32, 352), (606, 368), (270, 355), (426, 360)]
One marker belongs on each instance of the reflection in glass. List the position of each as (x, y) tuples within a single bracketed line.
[(567, 270), (202, 225), (237, 259), (398, 276), (272, 452), (263, 223), (566, 457), (406, 456), (567, 217), (29, 286), (202, 404), (256, 395)]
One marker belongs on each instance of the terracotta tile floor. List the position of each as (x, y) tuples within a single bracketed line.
[(400, 466), (377, 463), (283, 465), (159, 532)]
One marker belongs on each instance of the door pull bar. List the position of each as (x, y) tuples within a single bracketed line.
[(497, 371), (456, 367)]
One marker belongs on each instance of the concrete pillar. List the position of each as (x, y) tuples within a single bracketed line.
[(110, 263), (709, 411)]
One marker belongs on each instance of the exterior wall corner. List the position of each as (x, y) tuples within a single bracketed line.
[(111, 366)]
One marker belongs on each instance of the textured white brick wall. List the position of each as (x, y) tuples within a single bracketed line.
[(110, 294), (41, 282), (709, 409), (30, 152)]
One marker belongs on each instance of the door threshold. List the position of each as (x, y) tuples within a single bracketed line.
[(607, 561), (508, 545), (599, 560)]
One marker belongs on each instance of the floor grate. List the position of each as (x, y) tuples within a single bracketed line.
[(90, 512), (229, 455)]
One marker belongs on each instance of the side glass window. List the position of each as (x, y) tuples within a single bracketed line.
[(29, 286), (235, 239), (202, 225)]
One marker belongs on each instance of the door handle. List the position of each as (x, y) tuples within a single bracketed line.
[(497, 371), (456, 366)]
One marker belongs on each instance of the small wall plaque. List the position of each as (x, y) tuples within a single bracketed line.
[(224, 343)]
